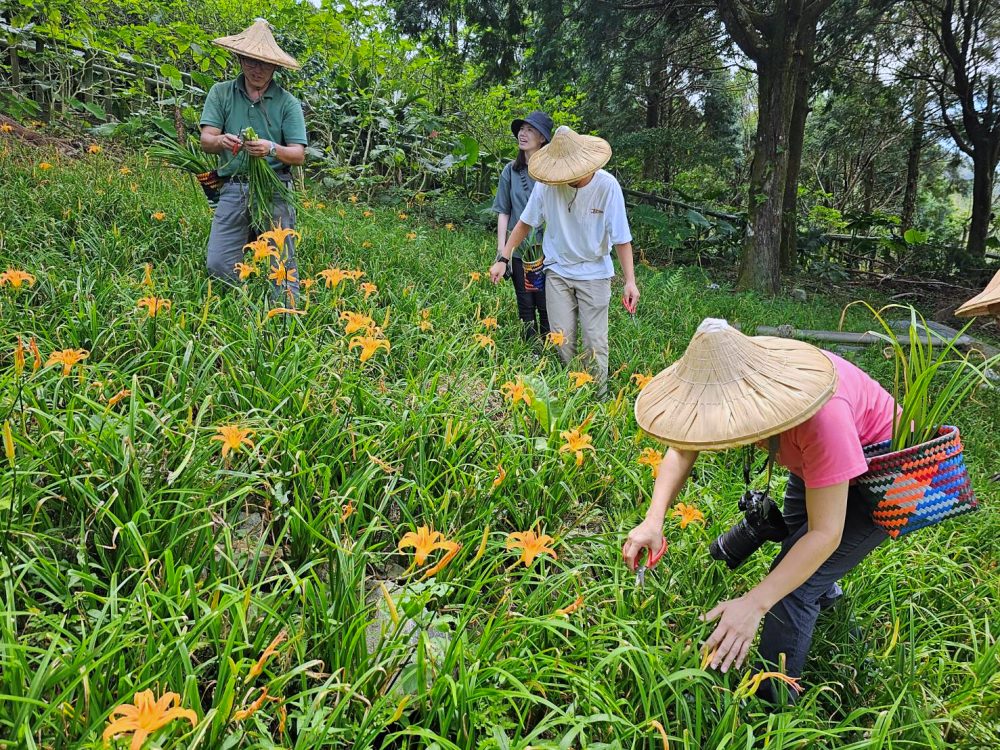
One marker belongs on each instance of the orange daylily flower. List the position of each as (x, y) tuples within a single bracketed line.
[(159, 215), (147, 275), (687, 514), (651, 458), (531, 545), (483, 340), (16, 278), (307, 284), (501, 475), (261, 249), (576, 442), (425, 320), (93, 148), (37, 355), (556, 338), (6, 128), (424, 541), (489, 322), (279, 236), (232, 438), (571, 608), (121, 395), (368, 214), (243, 714), (641, 379), (352, 198), (124, 171), (369, 289), (402, 216), (346, 511), (369, 345), (282, 275), (450, 227), (474, 276), (753, 684), (580, 379), (145, 716), (517, 392), (154, 305), (19, 357), (354, 321), (453, 548), (354, 274), (320, 206), (44, 166), (411, 235), (333, 276), (245, 270), (67, 358), (366, 244), (284, 311), (268, 652)]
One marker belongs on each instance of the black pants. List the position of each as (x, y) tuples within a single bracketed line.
[(530, 305), (788, 626)]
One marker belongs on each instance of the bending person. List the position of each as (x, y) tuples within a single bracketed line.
[(814, 411)]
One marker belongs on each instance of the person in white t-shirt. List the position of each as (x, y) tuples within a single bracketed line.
[(583, 210)]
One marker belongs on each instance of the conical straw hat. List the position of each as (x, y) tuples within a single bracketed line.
[(568, 157), (258, 42), (987, 302), (729, 389)]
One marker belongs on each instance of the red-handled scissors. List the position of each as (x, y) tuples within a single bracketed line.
[(640, 572), (630, 308)]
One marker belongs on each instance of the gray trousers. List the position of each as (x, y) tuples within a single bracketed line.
[(788, 626), (231, 230), (569, 301)]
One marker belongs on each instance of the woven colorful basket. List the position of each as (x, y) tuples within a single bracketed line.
[(917, 486), (534, 278)]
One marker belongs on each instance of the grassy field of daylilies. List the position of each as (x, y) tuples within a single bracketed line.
[(373, 517)]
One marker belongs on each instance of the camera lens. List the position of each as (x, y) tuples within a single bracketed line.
[(736, 545)]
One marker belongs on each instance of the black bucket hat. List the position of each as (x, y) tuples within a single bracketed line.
[(538, 120)]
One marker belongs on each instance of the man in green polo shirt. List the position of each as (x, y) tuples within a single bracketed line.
[(252, 99)]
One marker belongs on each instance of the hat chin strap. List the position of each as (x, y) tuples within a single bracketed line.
[(713, 325)]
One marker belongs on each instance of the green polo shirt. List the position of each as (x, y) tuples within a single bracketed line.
[(276, 117)]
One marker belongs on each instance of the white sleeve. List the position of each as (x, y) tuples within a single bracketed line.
[(615, 220), (532, 215)]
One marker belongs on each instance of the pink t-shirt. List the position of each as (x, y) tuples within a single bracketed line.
[(826, 449)]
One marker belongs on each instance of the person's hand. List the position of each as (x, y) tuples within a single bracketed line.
[(647, 536), (497, 271), (259, 147), (630, 296), (731, 639), (228, 141)]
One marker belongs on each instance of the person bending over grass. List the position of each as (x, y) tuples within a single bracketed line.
[(583, 210), (813, 411), (252, 99), (513, 191)]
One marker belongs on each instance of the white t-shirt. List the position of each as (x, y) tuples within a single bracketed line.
[(581, 225)]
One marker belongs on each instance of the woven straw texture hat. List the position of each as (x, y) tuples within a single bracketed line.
[(258, 42), (729, 389), (568, 157), (987, 302)]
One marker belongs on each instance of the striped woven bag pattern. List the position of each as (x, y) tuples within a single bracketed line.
[(917, 486)]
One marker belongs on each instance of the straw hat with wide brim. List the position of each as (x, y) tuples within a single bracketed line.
[(729, 389), (568, 157), (258, 42), (987, 302)]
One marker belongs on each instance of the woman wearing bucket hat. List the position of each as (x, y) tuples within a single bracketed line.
[(513, 191), (815, 412), (583, 210), (987, 302), (252, 99)]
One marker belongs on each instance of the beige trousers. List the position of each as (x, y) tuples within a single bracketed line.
[(570, 302)]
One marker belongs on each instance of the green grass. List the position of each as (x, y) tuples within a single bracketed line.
[(138, 559)]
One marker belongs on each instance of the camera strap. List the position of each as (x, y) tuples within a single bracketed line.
[(772, 451)]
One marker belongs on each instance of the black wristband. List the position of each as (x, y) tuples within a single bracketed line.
[(501, 259)]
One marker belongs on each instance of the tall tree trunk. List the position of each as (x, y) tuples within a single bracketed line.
[(913, 157), (653, 100), (984, 163), (796, 137), (760, 268)]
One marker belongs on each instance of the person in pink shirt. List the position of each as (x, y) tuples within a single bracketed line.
[(814, 412)]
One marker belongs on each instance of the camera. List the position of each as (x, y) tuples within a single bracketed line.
[(762, 522)]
